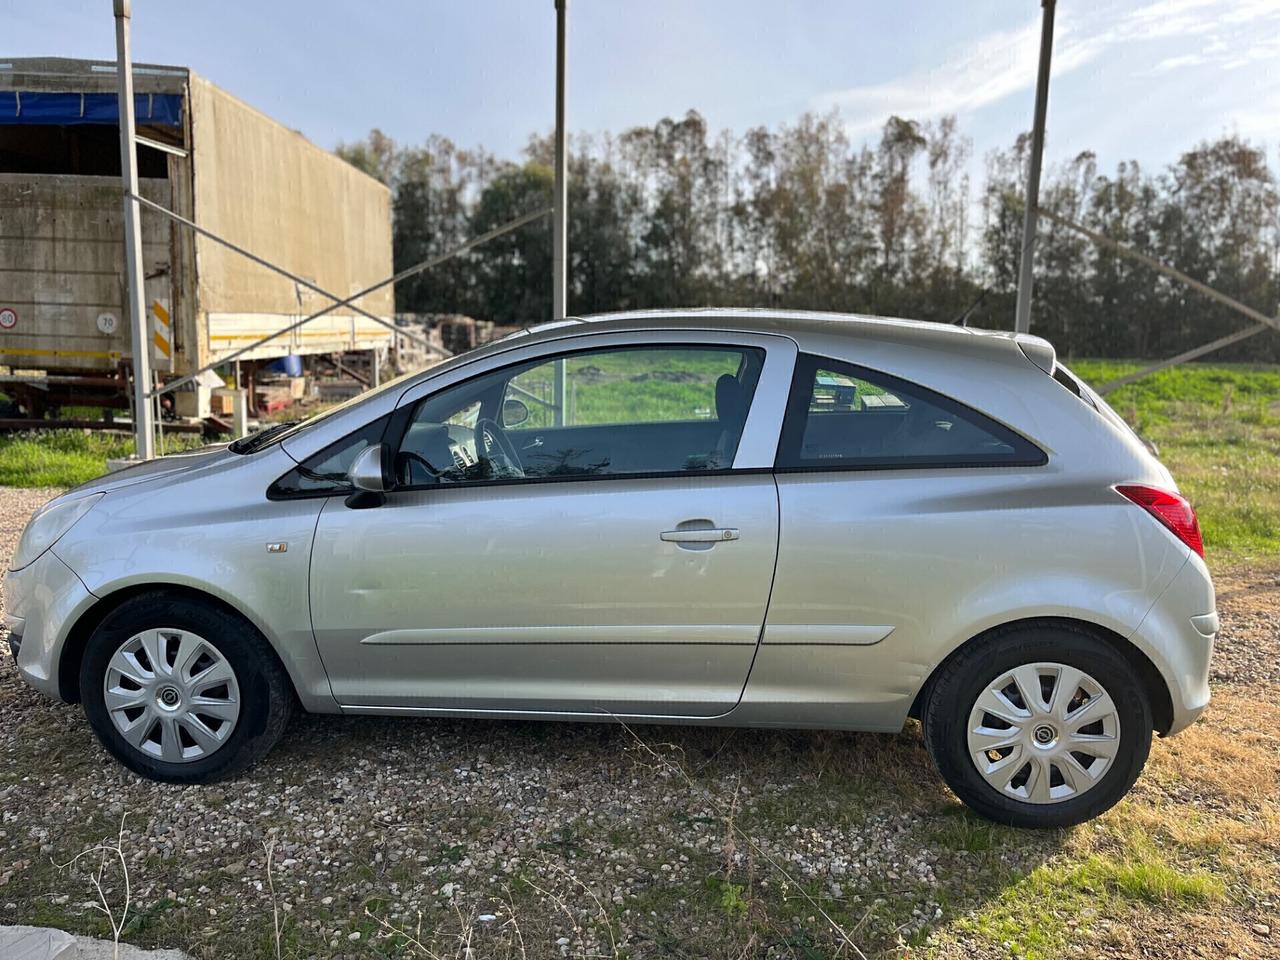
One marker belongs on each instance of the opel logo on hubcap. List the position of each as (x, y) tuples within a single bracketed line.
[(169, 697), (1044, 735)]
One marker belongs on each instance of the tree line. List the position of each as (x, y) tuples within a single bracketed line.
[(799, 216)]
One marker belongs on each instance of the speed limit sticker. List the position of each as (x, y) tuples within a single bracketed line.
[(8, 318)]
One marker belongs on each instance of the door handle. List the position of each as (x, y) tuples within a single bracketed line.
[(700, 535)]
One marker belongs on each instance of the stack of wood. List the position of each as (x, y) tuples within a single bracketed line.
[(460, 334)]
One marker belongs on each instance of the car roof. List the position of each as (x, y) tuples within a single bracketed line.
[(764, 319), (804, 324)]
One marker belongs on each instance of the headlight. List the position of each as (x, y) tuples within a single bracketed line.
[(47, 526)]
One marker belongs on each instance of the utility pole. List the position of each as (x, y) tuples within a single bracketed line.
[(560, 219), (143, 422), (1022, 315)]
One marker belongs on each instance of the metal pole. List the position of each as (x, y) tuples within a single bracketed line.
[(143, 420), (1022, 315), (560, 218), (560, 221)]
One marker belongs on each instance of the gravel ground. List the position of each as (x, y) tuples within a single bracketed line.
[(478, 838), (1248, 646)]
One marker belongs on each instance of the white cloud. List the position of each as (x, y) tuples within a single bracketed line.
[(989, 70), (1175, 63), (1225, 34)]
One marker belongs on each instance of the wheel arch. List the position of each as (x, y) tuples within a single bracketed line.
[(1149, 675), (77, 641)]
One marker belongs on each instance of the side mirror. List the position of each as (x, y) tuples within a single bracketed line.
[(514, 413), (366, 471)]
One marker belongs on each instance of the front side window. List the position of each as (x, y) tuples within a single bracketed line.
[(624, 411), (844, 416), (325, 473)]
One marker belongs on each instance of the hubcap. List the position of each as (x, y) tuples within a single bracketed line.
[(171, 695), (1043, 732)]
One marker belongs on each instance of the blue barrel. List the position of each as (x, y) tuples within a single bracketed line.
[(290, 366)]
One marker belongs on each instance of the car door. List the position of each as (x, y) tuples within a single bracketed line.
[(583, 527)]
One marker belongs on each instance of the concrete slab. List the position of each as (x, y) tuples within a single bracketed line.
[(35, 943), (45, 943)]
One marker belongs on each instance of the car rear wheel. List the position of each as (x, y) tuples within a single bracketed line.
[(182, 690), (1039, 725)]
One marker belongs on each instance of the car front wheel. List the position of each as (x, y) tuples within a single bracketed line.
[(180, 689), (1039, 725)]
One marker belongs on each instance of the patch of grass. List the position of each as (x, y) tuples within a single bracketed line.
[(1146, 878), (1037, 915), (68, 458), (1217, 427), (730, 895), (958, 828)]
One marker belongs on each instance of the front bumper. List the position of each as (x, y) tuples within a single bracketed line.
[(43, 600), (1177, 634), (13, 630)]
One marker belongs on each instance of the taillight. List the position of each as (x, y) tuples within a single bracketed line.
[(1169, 508)]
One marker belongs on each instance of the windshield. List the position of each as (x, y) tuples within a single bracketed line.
[(293, 427), (399, 383)]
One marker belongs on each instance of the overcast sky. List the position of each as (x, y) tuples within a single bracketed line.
[(1142, 79)]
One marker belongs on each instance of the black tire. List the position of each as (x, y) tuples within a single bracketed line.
[(955, 688), (266, 694)]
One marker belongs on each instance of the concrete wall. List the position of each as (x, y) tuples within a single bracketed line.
[(269, 189)]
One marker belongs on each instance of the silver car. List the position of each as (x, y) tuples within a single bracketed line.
[(760, 519)]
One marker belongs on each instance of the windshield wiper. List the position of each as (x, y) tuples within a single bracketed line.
[(256, 441)]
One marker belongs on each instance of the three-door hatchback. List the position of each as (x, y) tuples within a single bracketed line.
[(731, 517)]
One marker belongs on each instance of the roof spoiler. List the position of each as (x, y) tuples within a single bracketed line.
[(1038, 350)]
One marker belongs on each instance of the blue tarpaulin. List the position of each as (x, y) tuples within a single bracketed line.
[(23, 107)]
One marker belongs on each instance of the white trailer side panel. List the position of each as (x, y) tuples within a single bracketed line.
[(62, 270)]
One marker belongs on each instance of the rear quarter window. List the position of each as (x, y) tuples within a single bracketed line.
[(842, 416)]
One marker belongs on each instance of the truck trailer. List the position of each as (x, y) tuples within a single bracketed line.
[(207, 156)]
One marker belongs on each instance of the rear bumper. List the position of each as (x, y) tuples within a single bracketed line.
[(1177, 634), (43, 600)]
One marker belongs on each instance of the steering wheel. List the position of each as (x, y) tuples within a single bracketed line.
[(493, 443)]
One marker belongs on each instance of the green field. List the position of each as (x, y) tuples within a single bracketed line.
[(1217, 427), (649, 385), (66, 458)]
